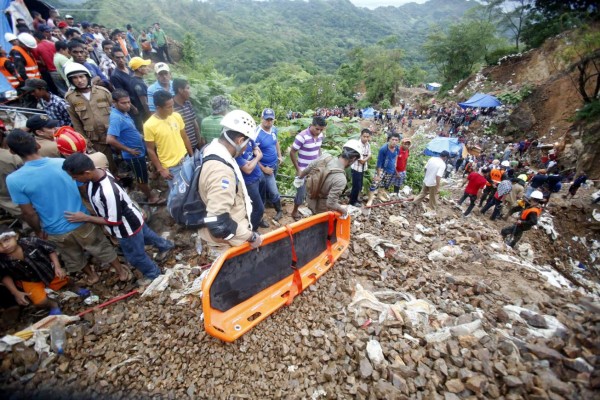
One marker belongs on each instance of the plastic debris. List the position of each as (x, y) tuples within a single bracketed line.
[(399, 220), (446, 253), (379, 245), (375, 352)]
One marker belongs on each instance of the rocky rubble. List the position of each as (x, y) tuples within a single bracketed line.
[(464, 325)]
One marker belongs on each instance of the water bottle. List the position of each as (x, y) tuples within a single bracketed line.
[(58, 337)]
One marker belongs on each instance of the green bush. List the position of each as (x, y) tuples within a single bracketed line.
[(589, 112), (494, 56)]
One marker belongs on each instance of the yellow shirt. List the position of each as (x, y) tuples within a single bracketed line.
[(166, 135)]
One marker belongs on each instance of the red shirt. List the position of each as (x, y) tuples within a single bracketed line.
[(476, 182), (402, 159), (45, 51)]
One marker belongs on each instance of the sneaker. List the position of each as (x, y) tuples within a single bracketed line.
[(263, 224)]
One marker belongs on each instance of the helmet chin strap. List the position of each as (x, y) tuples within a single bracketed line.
[(238, 148)]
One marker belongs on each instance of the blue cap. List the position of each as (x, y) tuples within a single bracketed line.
[(268, 113)]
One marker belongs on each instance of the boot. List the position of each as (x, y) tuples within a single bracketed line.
[(371, 198), (279, 214)]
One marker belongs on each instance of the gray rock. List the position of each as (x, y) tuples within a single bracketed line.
[(365, 367), (535, 320), (512, 381)]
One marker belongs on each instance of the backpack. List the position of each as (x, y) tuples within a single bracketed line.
[(317, 176), (184, 202)]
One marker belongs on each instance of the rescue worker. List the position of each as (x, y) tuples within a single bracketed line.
[(7, 68), (23, 59), (327, 196), (528, 219), (89, 117), (221, 185)]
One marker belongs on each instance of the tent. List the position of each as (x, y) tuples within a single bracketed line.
[(368, 112), (433, 86), (481, 100), (439, 144)]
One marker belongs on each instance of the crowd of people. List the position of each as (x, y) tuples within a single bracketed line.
[(60, 175)]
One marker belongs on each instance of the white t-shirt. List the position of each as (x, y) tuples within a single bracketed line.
[(434, 167)]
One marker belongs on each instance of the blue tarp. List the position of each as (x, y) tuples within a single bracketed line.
[(433, 86), (439, 144), (368, 112), (481, 100), (5, 26)]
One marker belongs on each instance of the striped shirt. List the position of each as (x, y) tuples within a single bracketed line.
[(189, 117), (364, 153), (308, 147), (112, 203)]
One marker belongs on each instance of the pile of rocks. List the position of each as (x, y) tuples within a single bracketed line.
[(484, 328)]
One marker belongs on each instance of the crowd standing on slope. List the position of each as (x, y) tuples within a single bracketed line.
[(60, 175)]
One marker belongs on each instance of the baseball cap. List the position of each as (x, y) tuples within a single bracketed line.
[(44, 28), (85, 24), (32, 84), (137, 62), (41, 121), (62, 24), (68, 16), (268, 113), (161, 66)]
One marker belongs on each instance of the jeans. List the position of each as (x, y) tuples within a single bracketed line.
[(357, 185), (258, 207), (472, 198), (271, 192), (174, 171), (133, 249), (300, 195)]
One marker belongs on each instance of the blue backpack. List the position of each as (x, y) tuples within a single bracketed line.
[(184, 202)]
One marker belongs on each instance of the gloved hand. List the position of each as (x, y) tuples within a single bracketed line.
[(298, 182), (256, 244), (344, 215)]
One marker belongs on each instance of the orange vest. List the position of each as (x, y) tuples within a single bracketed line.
[(526, 213), (13, 80), (496, 175), (31, 66)]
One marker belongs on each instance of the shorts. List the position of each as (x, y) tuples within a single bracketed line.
[(385, 182), (73, 245), (398, 180), (37, 292), (139, 168)]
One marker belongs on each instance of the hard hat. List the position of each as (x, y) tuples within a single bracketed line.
[(69, 141), (537, 195), (353, 145), (27, 39), (240, 121), (74, 68), (523, 177), (9, 37), (505, 164)]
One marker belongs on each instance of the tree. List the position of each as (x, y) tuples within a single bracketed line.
[(383, 72), (456, 52), (584, 48)]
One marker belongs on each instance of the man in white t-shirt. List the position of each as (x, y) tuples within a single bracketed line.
[(434, 171)]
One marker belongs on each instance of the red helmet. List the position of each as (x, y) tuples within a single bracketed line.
[(69, 141)]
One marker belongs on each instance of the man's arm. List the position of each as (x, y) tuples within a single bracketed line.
[(186, 141), (31, 217), (333, 198), (151, 150), (294, 158), (114, 142), (250, 165)]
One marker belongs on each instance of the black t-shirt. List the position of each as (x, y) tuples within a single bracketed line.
[(139, 89), (36, 265), (121, 80)]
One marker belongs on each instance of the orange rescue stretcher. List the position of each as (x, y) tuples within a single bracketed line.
[(245, 286)]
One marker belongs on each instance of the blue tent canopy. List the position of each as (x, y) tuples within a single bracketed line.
[(439, 144), (481, 100), (368, 112)]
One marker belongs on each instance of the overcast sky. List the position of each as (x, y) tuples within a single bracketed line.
[(378, 3)]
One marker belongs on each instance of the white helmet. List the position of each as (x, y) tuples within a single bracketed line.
[(537, 195), (496, 162), (27, 39), (353, 144), (9, 37), (240, 121), (505, 163), (74, 68)]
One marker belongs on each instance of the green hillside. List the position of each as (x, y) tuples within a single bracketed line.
[(243, 37)]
